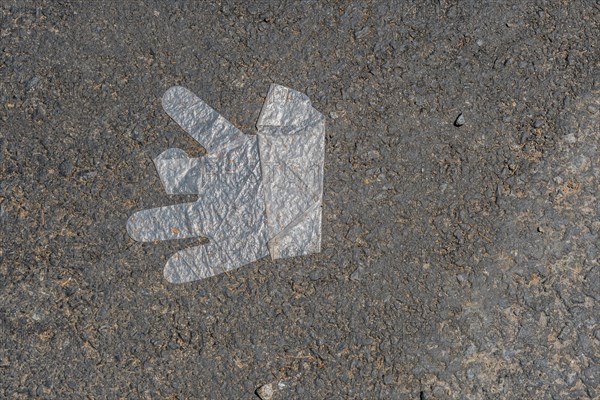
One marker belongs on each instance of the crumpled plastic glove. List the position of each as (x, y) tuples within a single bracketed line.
[(258, 195)]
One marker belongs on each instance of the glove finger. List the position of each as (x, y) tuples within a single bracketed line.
[(198, 263), (179, 221), (203, 123)]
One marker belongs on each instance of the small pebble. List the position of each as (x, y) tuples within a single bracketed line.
[(137, 135), (357, 274), (570, 138), (578, 298), (265, 392), (524, 137), (65, 168), (32, 83), (70, 290), (315, 275), (471, 373), (39, 113), (87, 174), (460, 120), (388, 379), (538, 123), (359, 34)]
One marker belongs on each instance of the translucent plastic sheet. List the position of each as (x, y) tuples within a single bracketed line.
[(257, 195)]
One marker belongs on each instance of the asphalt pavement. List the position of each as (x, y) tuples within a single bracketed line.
[(460, 218)]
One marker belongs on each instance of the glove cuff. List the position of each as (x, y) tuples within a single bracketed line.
[(291, 139)]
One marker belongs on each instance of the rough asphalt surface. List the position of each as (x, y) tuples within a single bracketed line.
[(457, 261)]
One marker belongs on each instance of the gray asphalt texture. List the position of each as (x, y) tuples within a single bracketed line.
[(458, 262)]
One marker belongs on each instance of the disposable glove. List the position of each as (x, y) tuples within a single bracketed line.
[(258, 195)]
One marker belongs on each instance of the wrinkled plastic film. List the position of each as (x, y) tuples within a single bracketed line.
[(291, 137), (251, 202)]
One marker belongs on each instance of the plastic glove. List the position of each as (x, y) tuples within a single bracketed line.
[(255, 196)]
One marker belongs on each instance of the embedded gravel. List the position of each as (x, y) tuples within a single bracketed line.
[(458, 262)]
